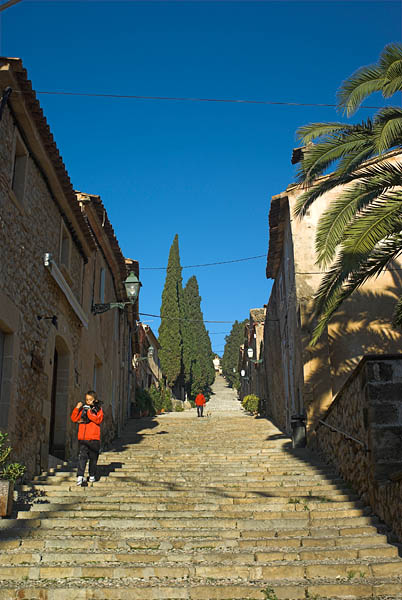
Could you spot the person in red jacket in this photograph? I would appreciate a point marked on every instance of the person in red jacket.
(89, 416)
(200, 403)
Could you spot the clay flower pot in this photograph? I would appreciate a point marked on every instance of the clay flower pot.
(6, 497)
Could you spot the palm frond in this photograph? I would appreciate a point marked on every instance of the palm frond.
(318, 158)
(381, 218)
(397, 316)
(306, 199)
(352, 161)
(314, 131)
(364, 82)
(334, 279)
(390, 54)
(388, 128)
(392, 87)
(379, 176)
(374, 265)
(334, 221)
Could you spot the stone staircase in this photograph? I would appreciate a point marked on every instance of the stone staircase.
(203, 509)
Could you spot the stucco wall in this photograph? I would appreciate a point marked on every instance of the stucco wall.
(298, 375)
(369, 409)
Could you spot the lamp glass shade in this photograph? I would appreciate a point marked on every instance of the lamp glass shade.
(242, 372)
(250, 352)
(132, 285)
(151, 351)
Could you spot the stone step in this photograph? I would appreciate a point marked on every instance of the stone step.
(202, 591)
(22, 529)
(285, 544)
(181, 487)
(155, 504)
(283, 521)
(216, 509)
(308, 556)
(293, 512)
(269, 572)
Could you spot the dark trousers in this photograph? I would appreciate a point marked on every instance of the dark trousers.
(88, 450)
(200, 410)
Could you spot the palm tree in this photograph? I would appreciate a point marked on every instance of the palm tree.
(361, 232)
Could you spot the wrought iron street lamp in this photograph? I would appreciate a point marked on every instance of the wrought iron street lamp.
(138, 359)
(132, 285)
(250, 354)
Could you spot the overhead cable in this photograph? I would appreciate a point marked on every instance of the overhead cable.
(223, 262)
(180, 319)
(189, 99)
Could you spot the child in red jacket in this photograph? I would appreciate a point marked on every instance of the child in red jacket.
(200, 403)
(89, 416)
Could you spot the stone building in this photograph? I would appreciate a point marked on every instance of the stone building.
(251, 361)
(147, 365)
(300, 378)
(107, 344)
(57, 257)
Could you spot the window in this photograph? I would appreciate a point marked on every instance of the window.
(19, 168)
(65, 247)
(102, 286)
(2, 340)
(4, 400)
(97, 376)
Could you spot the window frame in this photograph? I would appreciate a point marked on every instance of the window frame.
(19, 167)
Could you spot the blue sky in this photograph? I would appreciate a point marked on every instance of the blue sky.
(203, 170)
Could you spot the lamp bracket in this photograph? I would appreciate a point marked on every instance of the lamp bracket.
(98, 309)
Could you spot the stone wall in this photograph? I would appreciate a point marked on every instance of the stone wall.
(368, 408)
(29, 229)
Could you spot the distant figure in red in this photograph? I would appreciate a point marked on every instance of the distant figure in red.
(200, 403)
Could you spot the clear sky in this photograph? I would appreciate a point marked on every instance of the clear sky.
(203, 170)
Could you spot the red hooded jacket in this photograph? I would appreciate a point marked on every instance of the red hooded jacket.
(88, 431)
(200, 400)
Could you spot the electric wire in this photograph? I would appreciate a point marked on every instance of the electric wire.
(181, 319)
(188, 99)
(222, 262)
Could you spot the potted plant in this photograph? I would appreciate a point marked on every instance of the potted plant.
(9, 473)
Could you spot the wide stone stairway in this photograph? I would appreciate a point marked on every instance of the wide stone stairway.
(208, 508)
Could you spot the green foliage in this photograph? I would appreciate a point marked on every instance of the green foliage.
(360, 234)
(199, 372)
(8, 470)
(251, 403)
(144, 402)
(153, 400)
(167, 405)
(170, 337)
(186, 353)
(230, 356)
(269, 593)
(179, 408)
(157, 397)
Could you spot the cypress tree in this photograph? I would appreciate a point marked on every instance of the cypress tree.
(170, 337)
(230, 356)
(197, 351)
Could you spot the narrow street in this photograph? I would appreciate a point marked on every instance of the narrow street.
(208, 508)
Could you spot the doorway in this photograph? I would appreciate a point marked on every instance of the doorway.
(59, 400)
